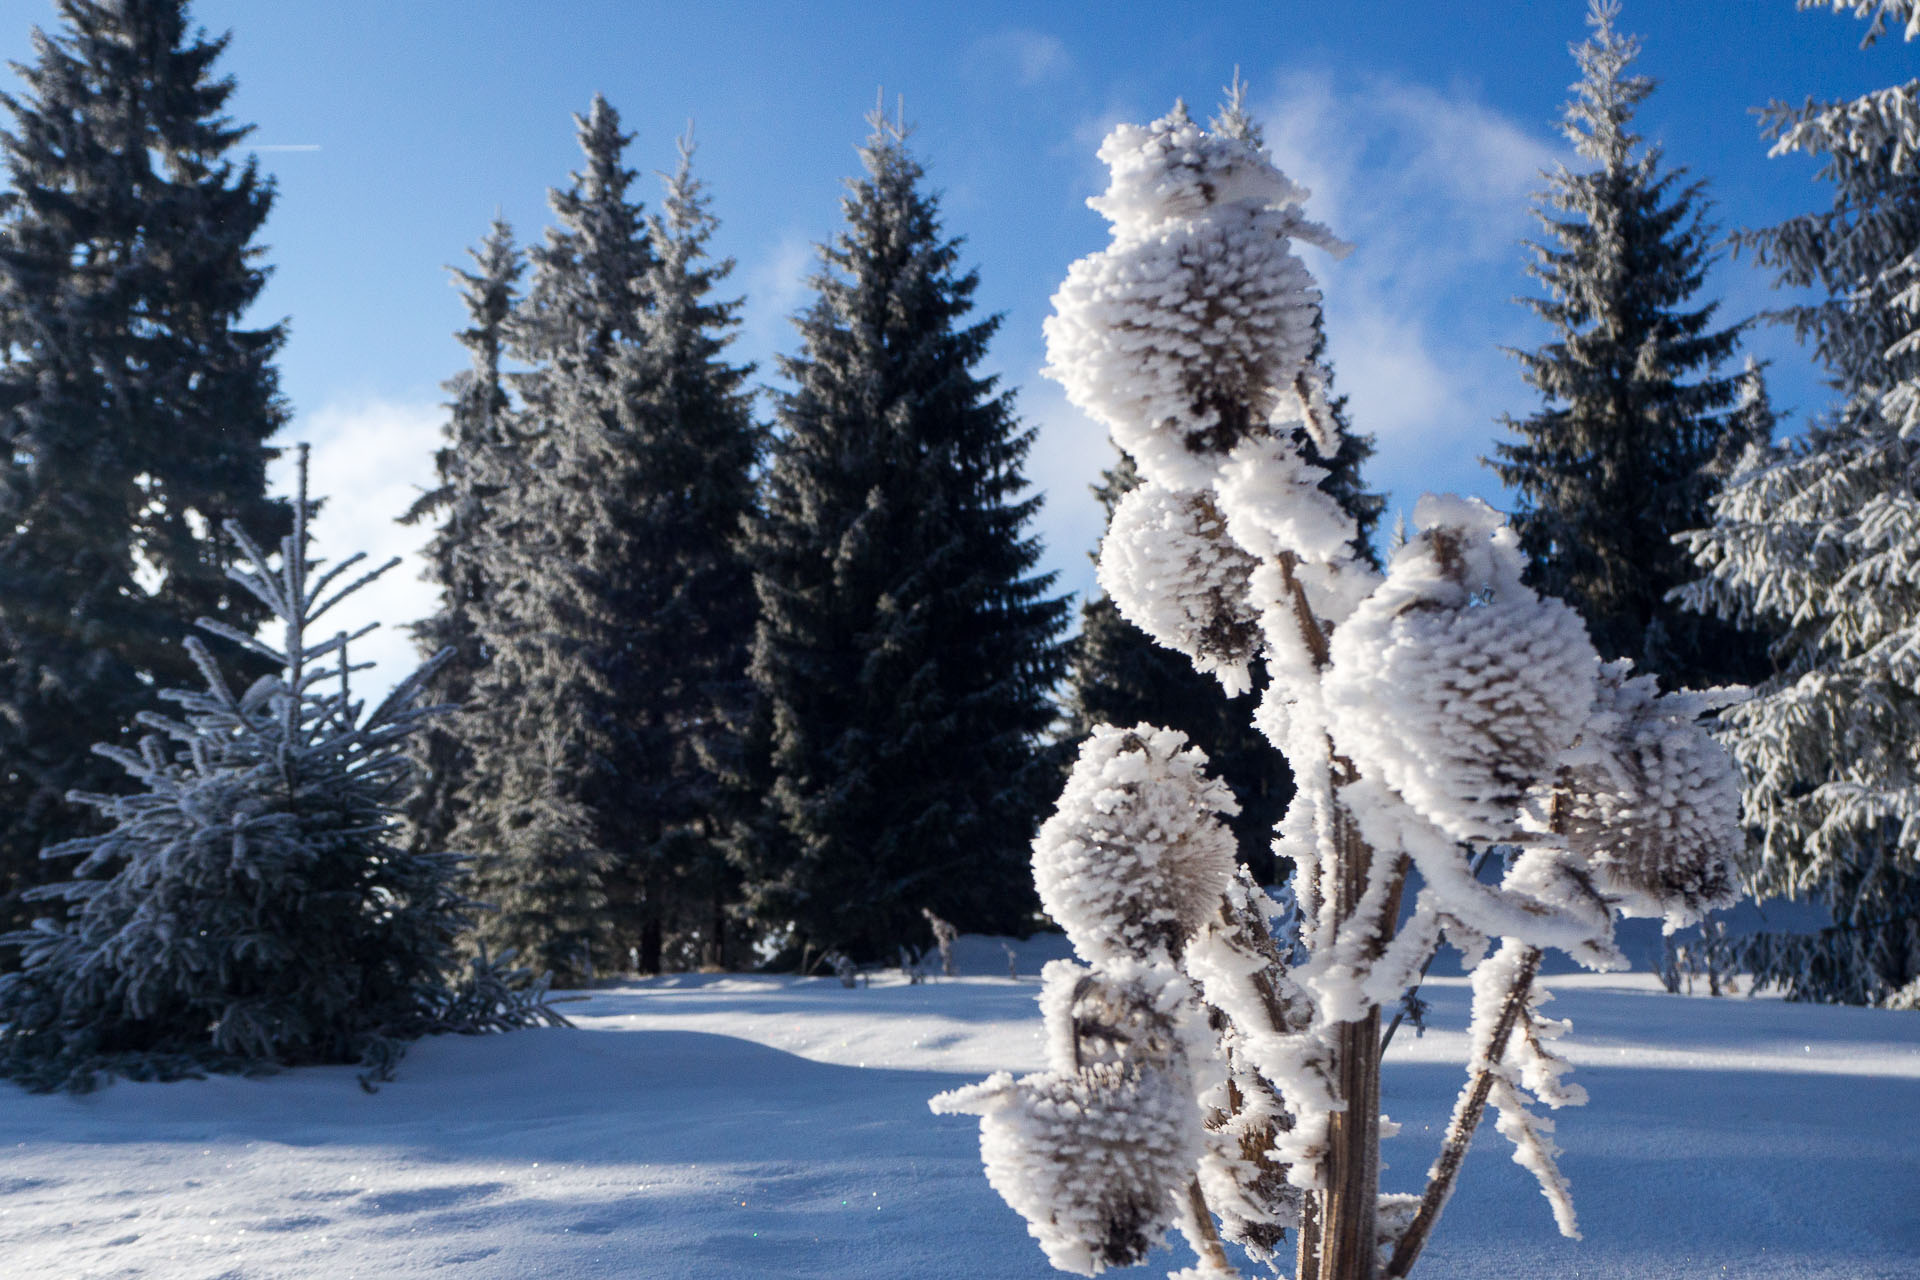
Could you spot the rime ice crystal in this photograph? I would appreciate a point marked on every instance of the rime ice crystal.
(1655, 815)
(1454, 683)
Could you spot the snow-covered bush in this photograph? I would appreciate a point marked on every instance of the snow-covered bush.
(1201, 1074)
(252, 907)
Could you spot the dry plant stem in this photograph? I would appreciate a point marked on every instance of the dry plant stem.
(1466, 1118)
(1473, 869)
(1307, 1258)
(1343, 1244)
(1208, 1244)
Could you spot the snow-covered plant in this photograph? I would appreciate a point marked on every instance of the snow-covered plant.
(253, 905)
(1201, 1074)
(1173, 572)
(944, 936)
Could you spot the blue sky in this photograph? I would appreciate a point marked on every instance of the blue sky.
(397, 130)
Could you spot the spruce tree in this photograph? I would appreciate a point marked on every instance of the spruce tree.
(618, 606)
(686, 610)
(1817, 540)
(906, 649)
(473, 467)
(134, 407)
(543, 723)
(251, 907)
(1619, 460)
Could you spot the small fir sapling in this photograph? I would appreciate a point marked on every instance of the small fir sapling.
(1201, 1074)
(911, 966)
(254, 905)
(843, 968)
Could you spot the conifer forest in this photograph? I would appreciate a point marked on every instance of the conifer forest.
(1261, 643)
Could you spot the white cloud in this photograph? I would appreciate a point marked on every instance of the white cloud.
(370, 460)
(775, 285)
(1034, 56)
(1434, 190)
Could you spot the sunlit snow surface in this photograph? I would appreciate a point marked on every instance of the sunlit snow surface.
(765, 1127)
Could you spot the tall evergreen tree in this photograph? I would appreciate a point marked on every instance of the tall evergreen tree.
(686, 614)
(618, 605)
(134, 407)
(906, 648)
(1620, 458)
(1818, 540)
(542, 725)
(473, 467)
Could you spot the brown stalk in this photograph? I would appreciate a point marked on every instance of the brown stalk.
(1467, 1113)
(1307, 1258)
(1208, 1244)
(1338, 1231)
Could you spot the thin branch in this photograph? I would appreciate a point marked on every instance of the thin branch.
(1206, 1241)
(1466, 1118)
(1303, 615)
(1473, 869)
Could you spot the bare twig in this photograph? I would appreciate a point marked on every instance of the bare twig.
(1206, 1240)
(1466, 1118)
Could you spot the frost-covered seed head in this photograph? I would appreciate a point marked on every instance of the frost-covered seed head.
(1126, 1013)
(1135, 858)
(1172, 571)
(1653, 811)
(1087, 1157)
(1192, 330)
(1454, 683)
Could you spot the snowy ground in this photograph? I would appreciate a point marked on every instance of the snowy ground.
(720, 1127)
